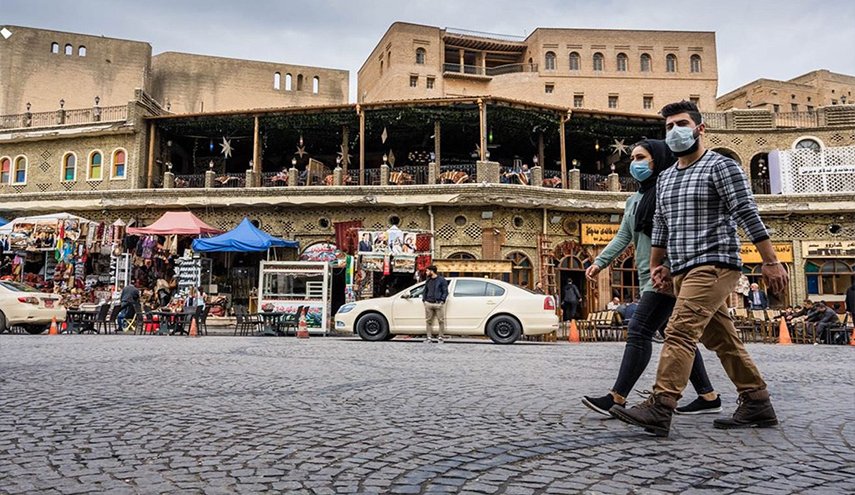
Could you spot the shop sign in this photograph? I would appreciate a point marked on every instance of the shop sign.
(749, 254)
(325, 252)
(828, 249)
(189, 273)
(474, 266)
(390, 241)
(599, 234)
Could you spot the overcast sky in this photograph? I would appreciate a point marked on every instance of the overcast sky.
(773, 39)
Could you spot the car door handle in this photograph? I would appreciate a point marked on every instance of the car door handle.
(492, 303)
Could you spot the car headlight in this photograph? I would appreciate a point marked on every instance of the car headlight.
(347, 308)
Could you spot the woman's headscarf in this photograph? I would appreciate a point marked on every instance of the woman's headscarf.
(662, 159)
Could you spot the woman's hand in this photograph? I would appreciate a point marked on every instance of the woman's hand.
(592, 271)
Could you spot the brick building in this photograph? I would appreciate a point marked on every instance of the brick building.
(602, 69)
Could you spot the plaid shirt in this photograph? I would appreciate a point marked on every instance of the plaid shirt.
(695, 212)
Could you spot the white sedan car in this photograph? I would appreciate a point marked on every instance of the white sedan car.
(475, 306)
(24, 306)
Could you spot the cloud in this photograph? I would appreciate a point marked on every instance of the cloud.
(777, 40)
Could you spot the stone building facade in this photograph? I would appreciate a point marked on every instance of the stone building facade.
(620, 70)
(804, 93)
(77, 68)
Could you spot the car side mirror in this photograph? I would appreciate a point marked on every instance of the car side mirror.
(406, 296)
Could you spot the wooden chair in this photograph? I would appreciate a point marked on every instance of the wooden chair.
(453, 177)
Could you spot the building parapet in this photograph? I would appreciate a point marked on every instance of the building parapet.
(757, 119)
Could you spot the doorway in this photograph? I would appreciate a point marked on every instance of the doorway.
(573, 268)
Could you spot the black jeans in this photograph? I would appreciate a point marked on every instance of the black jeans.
(651, 315)
(570, 310)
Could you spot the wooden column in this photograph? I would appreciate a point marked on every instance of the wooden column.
(540, 155)
(462, 59)
(482, 117)
(345, 148)
(152, 136)
(256, 151)
(361, 146)
(563, 140)
(437, 141)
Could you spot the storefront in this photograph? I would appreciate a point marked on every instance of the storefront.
(752, 264)
(390, 260)
(829, 270)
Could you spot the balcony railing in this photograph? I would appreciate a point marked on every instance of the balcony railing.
(628, 184)
(481, 34)
(470, 70)
(192, 181)
(796, 119)
(594, 182)
(760, 186)
(64, 117)
(511, 69)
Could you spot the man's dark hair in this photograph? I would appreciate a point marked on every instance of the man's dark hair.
(432, 268)
(682, 107)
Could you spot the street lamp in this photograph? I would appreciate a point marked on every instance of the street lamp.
(28, 106)
(97, 100)
(62, 103)
(534, 160)
(211, 165)
(294, 162)
(574, 163)
(385, 158)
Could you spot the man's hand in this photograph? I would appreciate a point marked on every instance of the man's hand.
(661, 276)
(775, 277)
(592, 272)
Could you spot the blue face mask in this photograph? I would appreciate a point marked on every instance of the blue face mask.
(640, 170)
(680, 139)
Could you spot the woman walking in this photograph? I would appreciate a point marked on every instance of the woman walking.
(649, 158)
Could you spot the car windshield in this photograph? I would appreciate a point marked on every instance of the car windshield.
(17, 286)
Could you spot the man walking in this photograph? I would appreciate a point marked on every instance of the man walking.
(434, 296)
(699, 203)
(570, 301)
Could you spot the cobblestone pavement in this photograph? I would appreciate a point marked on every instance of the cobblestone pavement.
(122, 414)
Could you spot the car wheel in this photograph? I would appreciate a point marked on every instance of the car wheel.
(35, 329)
(372, 327)
(390, 336)
(3, 327)
(503, 330)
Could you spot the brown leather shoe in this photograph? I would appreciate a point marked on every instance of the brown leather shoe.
(654, 414)
(754, 410)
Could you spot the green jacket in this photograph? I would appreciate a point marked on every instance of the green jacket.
(626, 235)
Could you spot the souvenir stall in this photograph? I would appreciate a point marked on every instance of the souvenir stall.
(61, 253)
(299, 288)
(156, 252)
(245, 238)
(390, 260)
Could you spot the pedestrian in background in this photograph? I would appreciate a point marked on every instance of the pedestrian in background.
(434, 297)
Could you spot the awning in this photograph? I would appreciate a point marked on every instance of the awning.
(245, 237)
(176, 222)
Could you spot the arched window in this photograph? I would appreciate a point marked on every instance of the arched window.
(420, 56)
(299, 82)
(645, 62)
(522, 272)
(5, 170)
(625, 282)
(829, 277)
(287, 82)
(621, 62)
(671, 63)
(574, 61)
(598, 62)
(119, 158)
(69, 167)
(54, 47)
(277, 80)
(316, 84)
(381, 67)
(69, 50)
(549, 61)
(462, 255)
(19, 175)
(696, 63)
(81, 51)
(94, 169)
(389, 59)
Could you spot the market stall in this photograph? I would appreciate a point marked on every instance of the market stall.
(297, 288)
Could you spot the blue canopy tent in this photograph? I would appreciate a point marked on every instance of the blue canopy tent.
(246, 237)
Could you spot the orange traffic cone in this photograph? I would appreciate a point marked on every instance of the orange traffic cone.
(784, 334)
(194, 331)
(54, 330)
(302, 327)
(573, 336)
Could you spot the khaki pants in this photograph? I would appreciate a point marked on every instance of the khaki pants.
(435, 311)
(701, 314)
